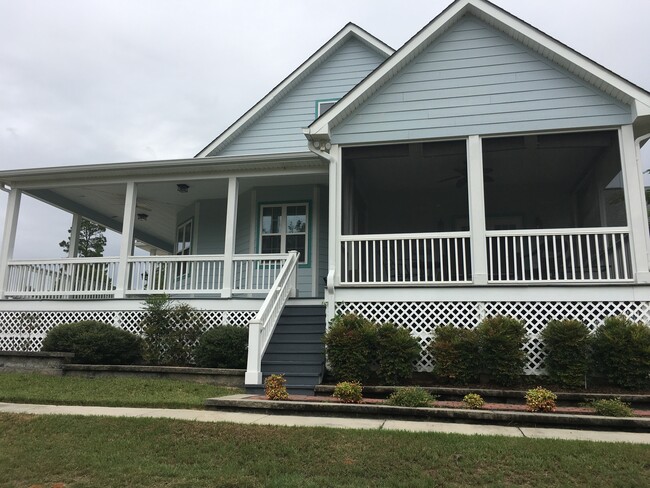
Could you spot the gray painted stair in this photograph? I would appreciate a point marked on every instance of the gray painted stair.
(296, 349)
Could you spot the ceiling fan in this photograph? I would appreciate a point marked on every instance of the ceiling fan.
(461, 177)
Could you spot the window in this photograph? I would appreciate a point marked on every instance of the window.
(184, 238)
(283, 228)
(323, 106)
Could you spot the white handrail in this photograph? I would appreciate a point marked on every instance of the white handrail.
(262, 326)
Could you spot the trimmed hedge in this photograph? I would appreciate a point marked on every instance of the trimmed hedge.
(621, 352)
(358, 350)
(500, 342)
(397, 351)
(223, 347)
(94, 342)
(567, 347)
(455, 352)
(350, 343)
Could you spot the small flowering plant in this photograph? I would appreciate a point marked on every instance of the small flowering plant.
(473, 401)
(540, 400)
(275, 387)
(348, 391)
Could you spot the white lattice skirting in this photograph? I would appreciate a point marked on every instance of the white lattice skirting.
(24, 331)
(421, 318)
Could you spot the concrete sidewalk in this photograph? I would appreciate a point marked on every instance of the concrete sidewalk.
(332, 422)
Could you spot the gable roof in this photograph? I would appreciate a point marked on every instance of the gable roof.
(346, 33)
(581, 66)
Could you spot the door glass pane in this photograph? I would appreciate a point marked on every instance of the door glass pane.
(296, 219)
(271, 220)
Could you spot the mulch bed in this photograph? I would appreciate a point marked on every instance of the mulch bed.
(506, 407)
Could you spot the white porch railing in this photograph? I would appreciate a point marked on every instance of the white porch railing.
(195, 274)
(385, 259)
(79, 278)
(559, 255)
(255, 273)
(262, 326)
(62, 278)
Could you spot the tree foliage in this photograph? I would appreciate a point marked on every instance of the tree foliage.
(91, 241)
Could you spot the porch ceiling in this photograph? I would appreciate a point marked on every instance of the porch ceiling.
(160, 201)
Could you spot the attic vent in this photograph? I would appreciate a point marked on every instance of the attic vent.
(323, 106)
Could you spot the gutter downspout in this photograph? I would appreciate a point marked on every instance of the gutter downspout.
(321, 149)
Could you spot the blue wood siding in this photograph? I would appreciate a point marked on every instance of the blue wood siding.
(212, 226)
(279, 130)
(477, 80)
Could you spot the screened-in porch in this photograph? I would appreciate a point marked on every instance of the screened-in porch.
(543, 208)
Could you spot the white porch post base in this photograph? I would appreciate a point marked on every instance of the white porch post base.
(642, 277)
(253, 378)
(480, 279)
(253, 374)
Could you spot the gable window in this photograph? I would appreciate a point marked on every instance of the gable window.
(323, 106)
(283, 228)
(184, 238)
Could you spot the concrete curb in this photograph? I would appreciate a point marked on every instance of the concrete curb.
(628, 424)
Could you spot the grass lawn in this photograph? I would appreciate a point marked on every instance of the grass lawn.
(135, 452)
(110, 392)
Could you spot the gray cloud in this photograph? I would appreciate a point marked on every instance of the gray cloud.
(86, 81)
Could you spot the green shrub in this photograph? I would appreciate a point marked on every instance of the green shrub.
(500, 342)
(348, 391)
(275, 387)
(397, 350)
(567, 346)
(223, 347)
(621, 352)
(94, 342)
(170, 331)
(455, 352)
(351, 344)
(540, 400)
(611, 408)
(473, 401)
(411, 396)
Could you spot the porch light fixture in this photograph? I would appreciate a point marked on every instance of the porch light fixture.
(143, 216)
(182, 188)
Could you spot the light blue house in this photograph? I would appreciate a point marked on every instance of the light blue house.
(482, 168)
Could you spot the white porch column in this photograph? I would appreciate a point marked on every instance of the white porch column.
(75, 228)
(9, 237)
(476, 196)
(635, 203)
(231, 233)
(126, 246)
(333, 230)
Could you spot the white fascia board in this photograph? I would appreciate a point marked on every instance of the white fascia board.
(160, 170)
(289, 82)
(493, 15)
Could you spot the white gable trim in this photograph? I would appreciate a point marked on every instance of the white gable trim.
(349, 31)
(550, 48)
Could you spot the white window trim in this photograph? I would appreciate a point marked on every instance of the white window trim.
(283, 231)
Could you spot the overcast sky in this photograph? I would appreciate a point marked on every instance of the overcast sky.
(91, 81)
